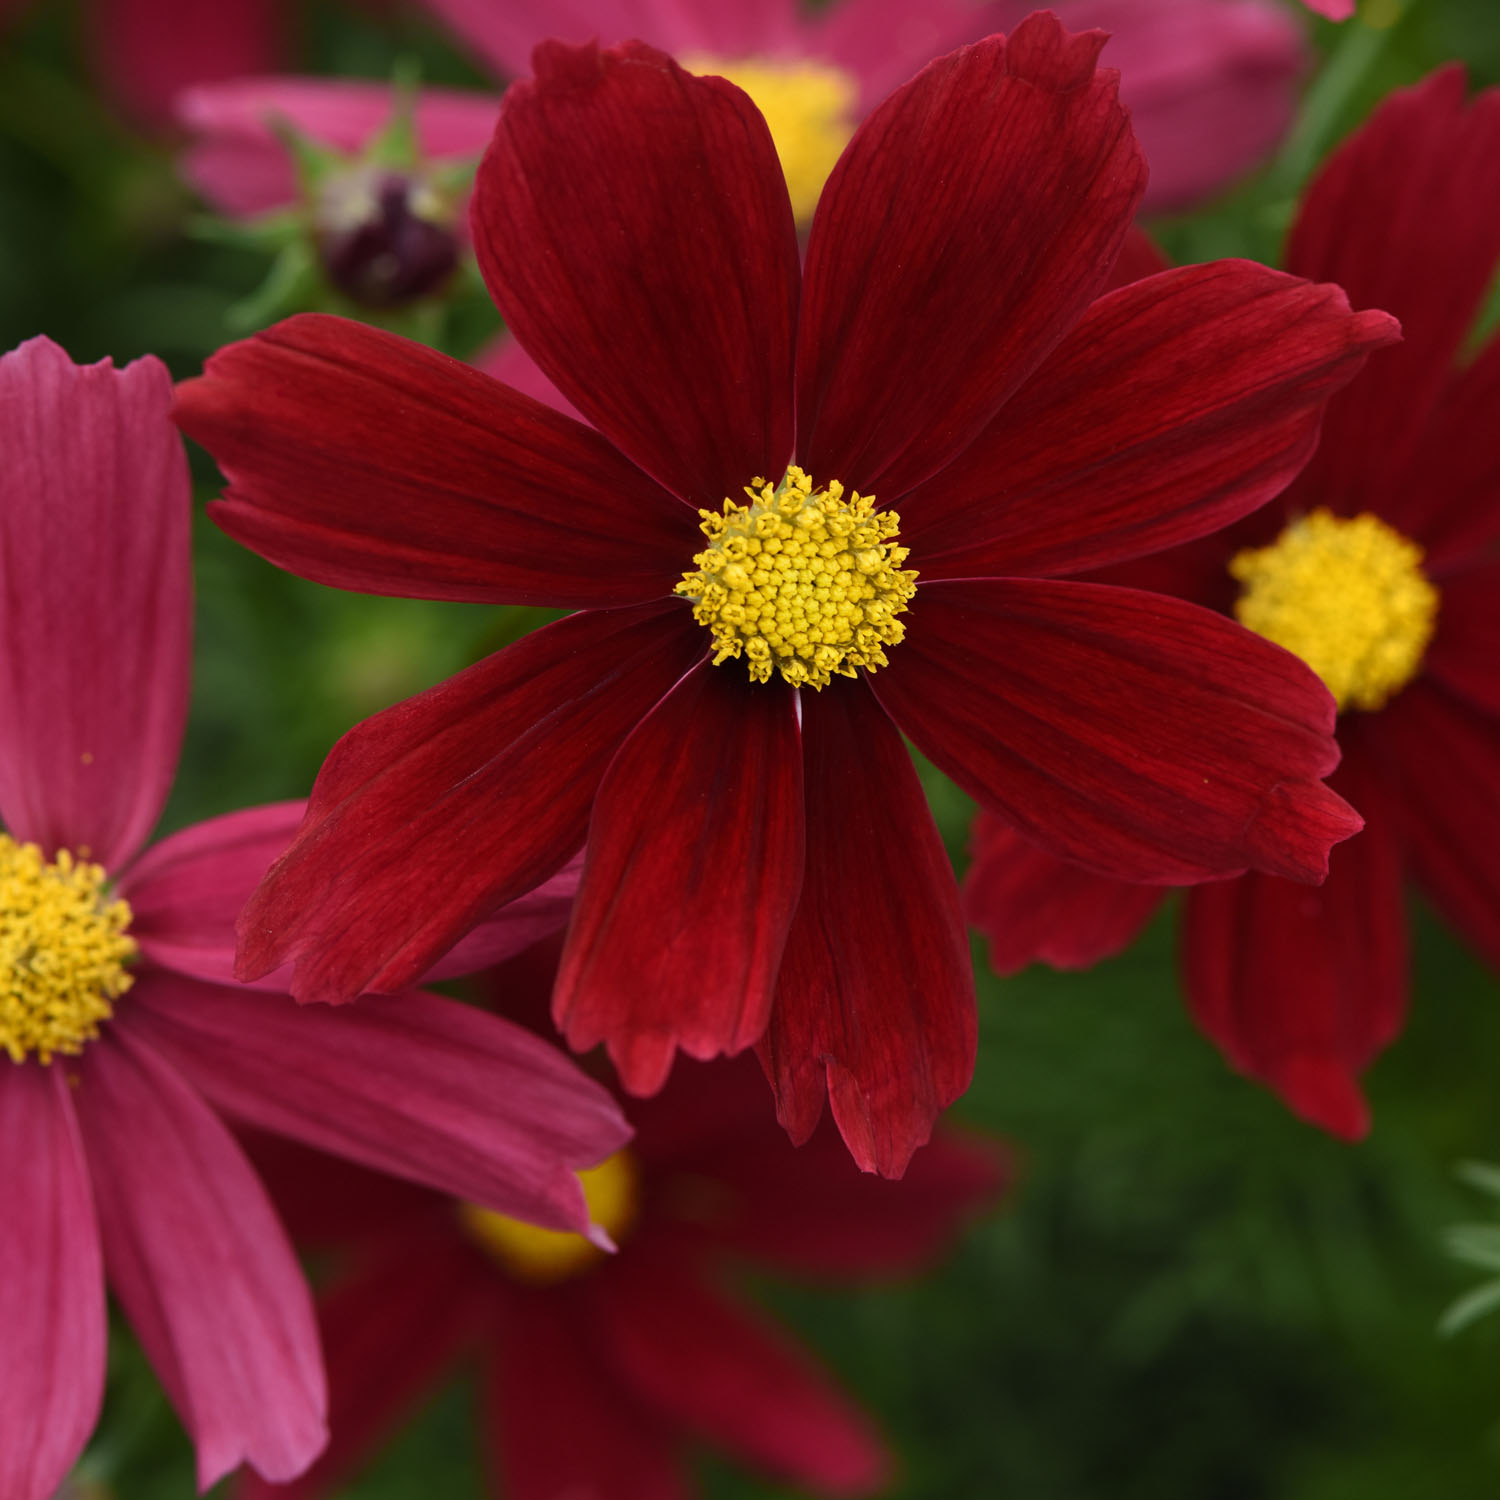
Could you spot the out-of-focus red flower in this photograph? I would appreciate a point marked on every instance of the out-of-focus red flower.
(599, 1370)
(1302, 988)
(762, 866)
(123, 1038)
(1211, 84)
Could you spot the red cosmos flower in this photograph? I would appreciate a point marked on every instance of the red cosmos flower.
(1379, 566)
(598, 1371)
(112, 1151)
(750, 843)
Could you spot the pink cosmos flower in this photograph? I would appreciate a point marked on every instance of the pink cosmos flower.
(1335, 10)
(1211, 83)
(126, 1042)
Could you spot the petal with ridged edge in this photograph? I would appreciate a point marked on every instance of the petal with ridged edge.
(875, 1005)
(200, 1263)
(693, 869)
(1175, 406)
(1012, 154)
(51, 1284)
(96, 611)
(429, 817)
(1143, 737)
(633, 226)
(365, 461)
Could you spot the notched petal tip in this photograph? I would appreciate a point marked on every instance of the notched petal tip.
(1044, 52)
(1296, 827)
(562, 66)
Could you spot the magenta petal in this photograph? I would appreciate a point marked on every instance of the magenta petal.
(365, 461)
(201, 1264)
(875, 1005)
(633, 226)
(51, 1285)
(972, 219)
(96, 614)
(1138, 735)
(432, 815)
(694, 864)
(414, 1085)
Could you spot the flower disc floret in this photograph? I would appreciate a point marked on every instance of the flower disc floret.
(63, 950)
(1347, 595)
(802, 581)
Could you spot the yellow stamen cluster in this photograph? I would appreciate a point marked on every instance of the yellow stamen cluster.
(546, 1256)
(809, 108)
(801, 581)
(1346, 595)
(63, 949)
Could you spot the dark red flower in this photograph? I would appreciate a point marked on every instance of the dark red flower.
(749, 843)
(599, 1370)
(1302, 988)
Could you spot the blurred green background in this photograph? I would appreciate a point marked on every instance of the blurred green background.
(1190, 1296)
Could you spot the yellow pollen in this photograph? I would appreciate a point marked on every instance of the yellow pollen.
(63, 949)
(801, 581)
(809, 108)
(546, 1256)
(1347, 596)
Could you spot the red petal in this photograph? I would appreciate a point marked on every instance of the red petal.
(1175, 406)
(51, 1285)
(428, 817)
(633, 226)
(693, 869)
(1395, 219)
(1442, 760)
(1302, 987)
(97, 610)
(508, 362)
(876, 999)
(1139, 258)
(560, 1424)
(711, 1367)
(414, 1085)
(1002, 155)
(362, 460)
(389, 1334)
(200, 1264)
(1465, 652)
(1036, 908)
(1140, 736)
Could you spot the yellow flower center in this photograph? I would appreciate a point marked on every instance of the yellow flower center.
(1347, 596)
(63, 949)
(545, 1256)
(806, 582)
(809, 108)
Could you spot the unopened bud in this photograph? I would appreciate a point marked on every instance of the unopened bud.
(385, 237)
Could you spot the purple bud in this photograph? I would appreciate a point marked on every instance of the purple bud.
(385, 238)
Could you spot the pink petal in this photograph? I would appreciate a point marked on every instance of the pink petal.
(1335, 10)
(200, 1263)
(51, 1284)
(506, 361)
(414, 1085)
(96, 614)
(875, 1004)
(694, 865)
(633, 226)
(1014, 154)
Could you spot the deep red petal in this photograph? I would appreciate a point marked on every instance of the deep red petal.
(415, 1085)
(51, 1285)
(362, 460)
(1395, 219)
(559, 1423)
(1036, 908)
(96, 600)
(693, 869)
(1465, 651)
(389, 1333)
(875, 1005)
(633, 227)
(1142, 737)
(723, 1373)
(202, 1267)
(431, 815)
(972, 218)
(1139, 258)
(1174, 407)
(1302, 987)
